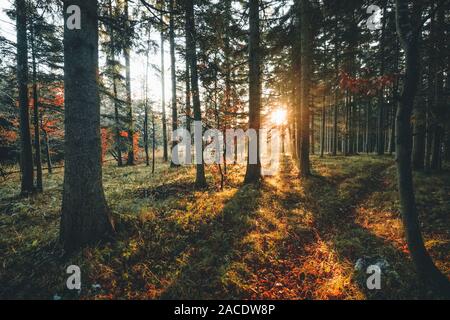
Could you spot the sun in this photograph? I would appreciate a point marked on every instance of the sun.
(278, 117)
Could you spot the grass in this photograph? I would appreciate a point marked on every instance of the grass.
(283, 239)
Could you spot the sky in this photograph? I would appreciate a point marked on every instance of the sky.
(8, 30)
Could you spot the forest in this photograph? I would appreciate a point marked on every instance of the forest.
(225, 149)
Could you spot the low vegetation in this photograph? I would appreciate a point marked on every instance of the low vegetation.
(283, 239)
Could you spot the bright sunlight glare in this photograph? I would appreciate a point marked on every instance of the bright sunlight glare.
(278, 117)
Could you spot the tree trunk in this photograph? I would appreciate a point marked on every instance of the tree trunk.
(130, 160)
(410, 42)
(322, 131)
(115, 95)
(47, 147)
(227, 65)
(147, 62)
(153, 141)
(26, 154)
(47, 152)
(253, 173)
(336, 72)
(380, 126)
(85, 215)
(163, 94)
(200, 179)
(306, 54)
(37, 135)
(173, 74)
(419, 137)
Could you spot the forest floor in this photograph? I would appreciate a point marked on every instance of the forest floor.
(286, 238)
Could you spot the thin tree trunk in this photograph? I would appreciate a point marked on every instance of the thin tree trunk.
(163, 94)
(173, 75)
(47, 146)
(153, 141)
(37, 135)
(188, 98)
(322, 131)
(380, 128)
(227, 63)
(47, 151)
(26, 154)
(147, 53)
(130, 160)
(85, 215)
(115, 97)
(200, 179)
(395, 96)
(336, 71)
(368, 127)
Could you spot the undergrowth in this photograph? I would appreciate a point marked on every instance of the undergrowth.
(286, 238)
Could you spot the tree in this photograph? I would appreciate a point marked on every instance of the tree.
(146, 109)
(173, 72)
(306, 55)
(381, 107)
(128, 30)
(114, 65)
(253, 173)
(26, 155)
(191, 55)
(85, 215)
(36, 122)
(409, 31)
(163, 89)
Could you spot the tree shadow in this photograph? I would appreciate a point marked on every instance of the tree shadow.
(335, 222)
(214, 249)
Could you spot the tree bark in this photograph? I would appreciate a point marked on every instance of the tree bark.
(115, 95)
(37, 134)
(173, 74)
(409, 34)
(26, 154)
(163, 94)
(253, 173)
(130, 160)
(380, 125)
(147, 62)
(200, 179)
(85, 215)
(336, 72)
(306, 54)
(322, 129)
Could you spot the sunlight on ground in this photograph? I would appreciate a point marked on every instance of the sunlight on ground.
(285, 238)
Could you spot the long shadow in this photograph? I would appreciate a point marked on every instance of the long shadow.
(214, 248)
(335, 222)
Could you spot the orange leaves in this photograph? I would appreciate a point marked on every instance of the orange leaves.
(123, 134)
(52, 95)
(8, 136)
(107, 140)
(136, 148)
(365, 86)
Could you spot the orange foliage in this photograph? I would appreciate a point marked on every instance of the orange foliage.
(107, 139)
(136, 148)
(8, 136)
(365, 86)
